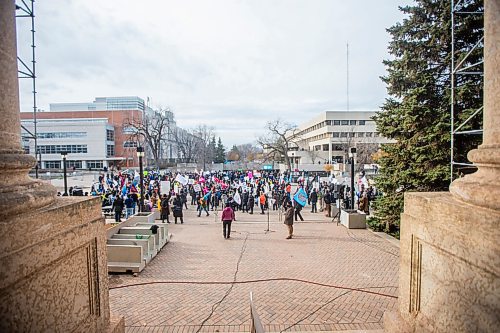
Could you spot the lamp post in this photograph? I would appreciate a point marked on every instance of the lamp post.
(352, 157)
(140, 154)
(63, 155)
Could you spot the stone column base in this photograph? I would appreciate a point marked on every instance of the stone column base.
(54, 274)
(450, 267)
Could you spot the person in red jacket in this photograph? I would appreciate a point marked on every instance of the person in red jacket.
(227, 217)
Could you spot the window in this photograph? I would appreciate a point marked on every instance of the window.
(110, 150)
(57, 149)
(317, 148)
(343, 134)
(336, 122)
(376, 134)
(26, 149)
(345, 122)
(361, 134)
(130, 144)
(61, 135)
(53, 164)
(369, 134)
(110, 135)
(94, 164)
(337, 147)
(336, 134)
(351, 134)
(361, 122)
(352, 122)
(74, 164)
(325, 147)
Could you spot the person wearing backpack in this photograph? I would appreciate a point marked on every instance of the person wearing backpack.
(227, 218)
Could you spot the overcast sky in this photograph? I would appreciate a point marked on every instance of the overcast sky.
(232, 64)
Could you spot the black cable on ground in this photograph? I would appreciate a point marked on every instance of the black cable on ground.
(362, 289)
(216, 305)
(319, 308)
(370, 245)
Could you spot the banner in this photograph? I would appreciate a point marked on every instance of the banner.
(301, 197)
(165, 186)
(197, 187)
(237, 198)
(181, 179)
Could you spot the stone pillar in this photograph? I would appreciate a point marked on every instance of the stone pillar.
(18, 190)
(450, 268)
(482, 188)
(53, 259)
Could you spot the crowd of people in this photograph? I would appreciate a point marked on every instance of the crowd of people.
(229, 192)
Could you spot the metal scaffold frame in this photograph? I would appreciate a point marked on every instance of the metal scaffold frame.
(457, 69)
(26, 9)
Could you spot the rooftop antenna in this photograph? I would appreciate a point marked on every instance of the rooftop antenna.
(347, 83)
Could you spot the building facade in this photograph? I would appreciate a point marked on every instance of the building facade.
(327, 138)
(120, 142)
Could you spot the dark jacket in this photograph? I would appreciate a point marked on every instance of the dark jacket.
(177, 207)
(118, 204)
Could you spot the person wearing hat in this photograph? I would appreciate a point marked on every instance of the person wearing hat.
(289, 212)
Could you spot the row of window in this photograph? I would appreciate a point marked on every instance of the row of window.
(334, 123)
(57, 149)
(130, 144)
(61, 135)
(341, 135)
(73, 164)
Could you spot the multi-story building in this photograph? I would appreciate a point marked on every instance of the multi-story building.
(88, 142)
(105, 130)
(117, 147)
(326, 138)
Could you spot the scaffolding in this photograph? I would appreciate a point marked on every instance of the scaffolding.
(461, 66)
(26, 10)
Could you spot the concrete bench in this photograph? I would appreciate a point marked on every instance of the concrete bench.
(162, 230)
(142, 217)
(144, 243)
(145, 230)
(125, 258)
(151, 241)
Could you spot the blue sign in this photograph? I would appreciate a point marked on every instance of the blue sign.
(301, 197)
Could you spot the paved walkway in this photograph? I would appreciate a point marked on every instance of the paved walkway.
(321, 252)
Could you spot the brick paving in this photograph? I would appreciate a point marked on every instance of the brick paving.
(320, 252)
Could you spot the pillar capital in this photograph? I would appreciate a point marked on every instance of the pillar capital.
(18, 192)
(482, 188)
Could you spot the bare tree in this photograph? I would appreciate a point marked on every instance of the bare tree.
(277, 140)
(205, 134)
(188, 144)
(313, 155)
(249, 151)
(152, 129)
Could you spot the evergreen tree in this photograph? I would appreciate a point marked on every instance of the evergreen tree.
(212, 147)
(220, 152)
(417, 113)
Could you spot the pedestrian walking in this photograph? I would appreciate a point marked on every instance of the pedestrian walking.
(177, 209)
(165, 208)
(289, 211)
(314, 201)
(227, 218)
(298, 208)
(118, 205)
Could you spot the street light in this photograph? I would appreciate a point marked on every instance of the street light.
(63, 155)
(140, 154)
(352, 157)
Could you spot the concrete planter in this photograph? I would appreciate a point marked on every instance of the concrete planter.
(352, 219)
(148, 217)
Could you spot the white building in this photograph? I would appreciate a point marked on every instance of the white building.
(89, 142)
(326, 138)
